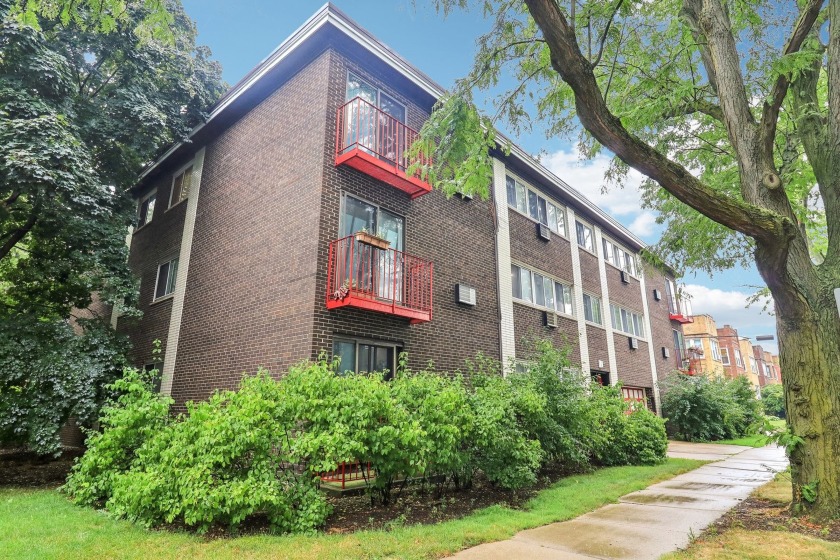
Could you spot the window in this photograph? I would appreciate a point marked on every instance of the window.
(627, 321)
(715, 349)
(145, 209)
(738, 360)
(181, 186)
(356, 356)
(167, 272)
(724, 356)
(541, 290)
(679, 346)
(535, 206)
(753, 365)
(585, 236)
(592, 309)
(618, 257)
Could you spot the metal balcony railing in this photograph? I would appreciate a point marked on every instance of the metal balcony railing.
(374, 142)
(379, 279)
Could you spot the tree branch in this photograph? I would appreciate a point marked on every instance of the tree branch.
(17, 234)
(770, 111)
(595, 116)
(692, 106)
(604, 34)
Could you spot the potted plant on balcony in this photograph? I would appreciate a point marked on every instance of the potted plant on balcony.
(368, 238)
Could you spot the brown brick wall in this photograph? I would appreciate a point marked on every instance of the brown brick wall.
(661, 326)
(248, 302)
(156, 242)
(597, 338)
(591, 278)
(552, 257)
(728, 339)
(528, 324)
(457, 235)
(627, 295)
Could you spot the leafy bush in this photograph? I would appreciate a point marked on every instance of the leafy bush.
(127, 423)
(226, 459)
(644, 440)
(703, 409)
(773, 400)
(50, 374)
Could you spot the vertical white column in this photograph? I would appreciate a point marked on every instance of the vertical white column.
(116, 310)
(507, 334)
(605, 311)
(651, 350)
(181, 278)
(577, 278)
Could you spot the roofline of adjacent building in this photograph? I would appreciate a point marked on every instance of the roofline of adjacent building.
(330, 14)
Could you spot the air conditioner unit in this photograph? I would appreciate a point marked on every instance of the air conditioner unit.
(625, 278)
(657, 295)
(465, 294)
(634, 343)
(543, 232)
(464, 195)
(550, 319)
(666, 352)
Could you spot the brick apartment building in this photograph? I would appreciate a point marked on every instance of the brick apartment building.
(251, 242)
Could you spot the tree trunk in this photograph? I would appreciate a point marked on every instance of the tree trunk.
(809, 354)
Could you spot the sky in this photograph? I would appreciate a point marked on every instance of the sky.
(243, 33)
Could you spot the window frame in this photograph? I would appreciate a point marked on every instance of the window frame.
(151, 194)
(739, 359)
(396, 348)
(178, 173)
(609, 256)
(591, 228)
(631, 321)
(715, 346)
(166, 295)
(533, 287)
(379, 92)
(379, 208)
(753, 364)
(559, 209)
(724, 352)
(600, 309)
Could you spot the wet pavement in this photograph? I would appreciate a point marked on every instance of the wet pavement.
(649, 523)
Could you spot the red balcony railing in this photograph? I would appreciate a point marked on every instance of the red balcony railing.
(384, 280)
(375, 143)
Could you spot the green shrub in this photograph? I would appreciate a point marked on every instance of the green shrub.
(228, 458)
(702, 409)
(126, 424)
(644, 440)
(773, 400)
(499, 444)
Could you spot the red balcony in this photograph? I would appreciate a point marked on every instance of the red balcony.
(374, 142)
(379, 279)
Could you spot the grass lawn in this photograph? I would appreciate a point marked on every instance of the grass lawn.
(755, 440)
(42, 524)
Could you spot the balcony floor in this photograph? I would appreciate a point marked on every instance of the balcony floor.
(414, 315)
(383, 170)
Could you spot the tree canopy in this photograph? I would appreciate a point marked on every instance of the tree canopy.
(732, 111)
(90, 92)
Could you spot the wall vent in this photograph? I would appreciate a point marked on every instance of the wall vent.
(543, 232)
(625, 278)
(465, 294)
(657, 295)
(666, 353)
(550, 319)
(634, 343)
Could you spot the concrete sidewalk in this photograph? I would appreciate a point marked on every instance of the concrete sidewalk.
(647, 524)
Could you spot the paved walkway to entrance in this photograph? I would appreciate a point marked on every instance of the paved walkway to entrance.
(646, 524)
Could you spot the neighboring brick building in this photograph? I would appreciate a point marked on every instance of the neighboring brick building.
(730, 352)
(701, 339)
(251, 244)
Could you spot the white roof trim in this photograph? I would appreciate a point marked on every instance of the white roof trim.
(329, 14)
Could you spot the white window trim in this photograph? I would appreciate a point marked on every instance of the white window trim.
(725, 352)
(378, 89)
(534, 305)
(619, 330)
(594, 241)
(635, 257)
(140, 202)
(600, 304)
(548, 200)
(175, 175)
(171, 294)
(713, 343)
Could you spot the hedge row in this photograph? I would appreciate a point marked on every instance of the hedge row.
(258, 450)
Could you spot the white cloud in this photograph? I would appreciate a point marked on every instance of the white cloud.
(587, 176)
(643, 225)
(729, 307)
